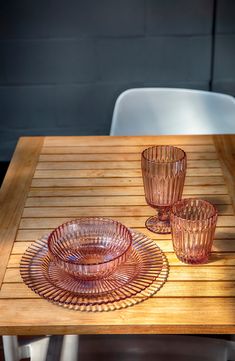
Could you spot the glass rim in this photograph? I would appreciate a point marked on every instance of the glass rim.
(214, 210)
(57, 256)
(168, 161)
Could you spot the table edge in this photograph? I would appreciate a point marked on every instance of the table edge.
(16, 184)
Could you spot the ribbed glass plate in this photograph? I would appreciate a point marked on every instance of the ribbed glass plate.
(140, 277)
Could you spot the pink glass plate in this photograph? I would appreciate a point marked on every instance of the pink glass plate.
(140, 277)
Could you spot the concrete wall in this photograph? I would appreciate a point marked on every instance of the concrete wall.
(224, 56)
(63, 63)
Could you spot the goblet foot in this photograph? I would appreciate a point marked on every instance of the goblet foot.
(154, 224)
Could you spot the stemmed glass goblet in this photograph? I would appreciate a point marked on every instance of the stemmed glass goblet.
(163, 170)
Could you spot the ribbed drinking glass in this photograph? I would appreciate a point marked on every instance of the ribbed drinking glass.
(193, 223)
(163, 170)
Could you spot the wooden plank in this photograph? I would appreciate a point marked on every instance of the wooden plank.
(216, 259)
(220, 233)
(121, 149)
(21, 246)
(170, 289)
(106, 157)
(225, 245)
(32, 223)
(106, 192)
(14, 192)
(155, 315)
(102, 211)
(177, 273)
(73, 201)
(116, 182)
(117, 165)
(119, 173)
(224, 233)
(32, 234)
(114, 141)
(197, 289)
(225, 146)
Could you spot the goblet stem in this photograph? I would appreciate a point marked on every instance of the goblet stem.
(160, 223)
(164, 213)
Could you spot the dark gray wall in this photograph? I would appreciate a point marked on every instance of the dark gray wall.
(63, 63)
(224, 57)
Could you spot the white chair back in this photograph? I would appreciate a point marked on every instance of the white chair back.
(156, 111)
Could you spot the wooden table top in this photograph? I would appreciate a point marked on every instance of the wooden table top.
(53, 179)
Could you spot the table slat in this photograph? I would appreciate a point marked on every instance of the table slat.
(198, 148)
(177, 273)
(94, 141)
(14, 192)
(115, 182)
(101, 157)
(187, 315)
(132, 221)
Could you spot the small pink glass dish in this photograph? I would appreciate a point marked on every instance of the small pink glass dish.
(193, 223)
(90, 248)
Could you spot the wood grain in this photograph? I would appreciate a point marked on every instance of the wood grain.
(118, 173)
(132, 221)
(113, 141)
(216, 259)
(56, 199)
(198, 148)
(116, 182)
(116, 165)
(187, 315)
(106, 157)
(84, 176)
(102, 211)
(224, 245)
(171, 289)
(91, 191)
(14, 192)
(225, 146)
(32, 234)
(177, 273)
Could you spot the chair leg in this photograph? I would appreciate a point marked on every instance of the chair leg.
(70, 346)
(11, 348)
(231, 350)
(35, 349)
(38, 349)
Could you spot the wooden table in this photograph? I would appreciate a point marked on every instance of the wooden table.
(53, 179)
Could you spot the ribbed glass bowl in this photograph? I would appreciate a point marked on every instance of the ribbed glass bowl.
(90, 248)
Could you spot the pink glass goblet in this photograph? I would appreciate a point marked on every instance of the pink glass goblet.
(193, 223)
(163, 170)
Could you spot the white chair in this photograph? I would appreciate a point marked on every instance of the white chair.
(41, 348)
(149, 111)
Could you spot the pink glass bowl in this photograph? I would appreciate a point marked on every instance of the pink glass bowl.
(193, 223)
(90, 248)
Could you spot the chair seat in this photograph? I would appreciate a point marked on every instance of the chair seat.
(155, 347)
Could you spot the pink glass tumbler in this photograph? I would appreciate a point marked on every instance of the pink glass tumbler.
(163, 170)
(193, 223)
